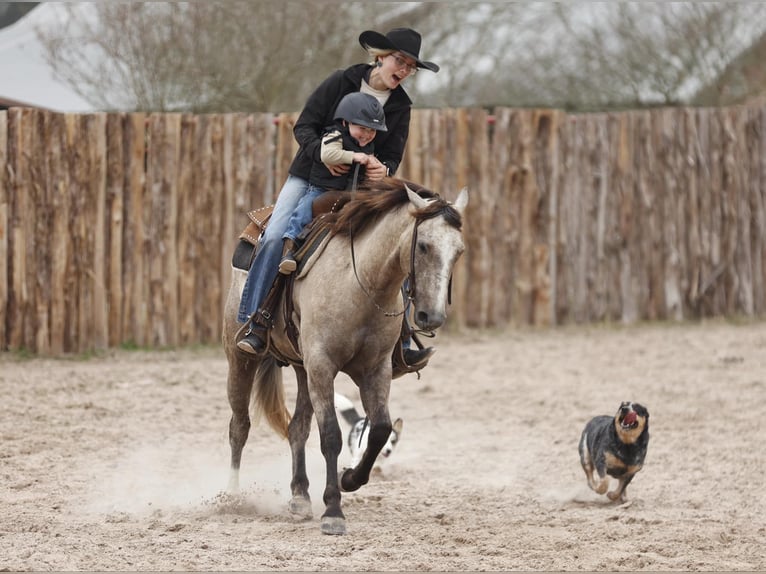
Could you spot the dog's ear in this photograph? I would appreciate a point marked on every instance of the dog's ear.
(397, 426)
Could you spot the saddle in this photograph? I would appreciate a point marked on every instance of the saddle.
(310, 240)
(328, 202)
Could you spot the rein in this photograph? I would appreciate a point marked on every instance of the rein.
(370, 297)
(359, 281)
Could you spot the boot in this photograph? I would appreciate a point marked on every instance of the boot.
(409, 360)
(416, 359)
(254, 342)
(288, 264)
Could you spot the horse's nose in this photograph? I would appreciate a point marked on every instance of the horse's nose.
(429, 320)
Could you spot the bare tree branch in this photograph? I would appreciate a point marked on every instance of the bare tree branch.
(268, 55)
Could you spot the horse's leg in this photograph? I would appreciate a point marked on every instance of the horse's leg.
(239, 387)
(375, 400)
(331, 443)
(298, 431)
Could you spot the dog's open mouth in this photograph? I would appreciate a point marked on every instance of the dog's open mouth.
(630, 420)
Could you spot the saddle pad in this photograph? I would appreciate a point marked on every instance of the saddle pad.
(311, 250)
(243, 255)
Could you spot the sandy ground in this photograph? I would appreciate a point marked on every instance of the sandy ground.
(118, 462)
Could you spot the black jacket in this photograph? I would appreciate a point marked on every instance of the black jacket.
(321, 176)
(320, 109)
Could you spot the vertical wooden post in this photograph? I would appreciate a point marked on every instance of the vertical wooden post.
(18, 188)
(115, 228)
(226, 225)
(756, 151)
(262, 182)
(60, 253)
(162, 180)
(136, 206)
(188, 220)
(96, 134)
(459, 136)
(4, 208)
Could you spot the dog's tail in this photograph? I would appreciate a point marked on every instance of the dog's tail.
(346, 408)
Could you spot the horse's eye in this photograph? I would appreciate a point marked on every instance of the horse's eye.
(422, 247)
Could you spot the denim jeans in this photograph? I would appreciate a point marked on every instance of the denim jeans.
(302, 214)
(265, 266)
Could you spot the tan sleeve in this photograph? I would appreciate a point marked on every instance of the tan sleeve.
(332, 152)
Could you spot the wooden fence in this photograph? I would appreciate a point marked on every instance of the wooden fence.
(119, 228)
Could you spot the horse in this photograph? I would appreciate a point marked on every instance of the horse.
(348, 309)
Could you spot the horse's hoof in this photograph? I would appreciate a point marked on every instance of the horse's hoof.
(334, 525)
(300, 508)
(345, 483)
(340, 480)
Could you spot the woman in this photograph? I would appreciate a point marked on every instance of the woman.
(395, 58)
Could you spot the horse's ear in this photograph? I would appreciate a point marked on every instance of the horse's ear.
(418, 201)
(462, 200)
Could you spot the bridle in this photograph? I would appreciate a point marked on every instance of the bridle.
(410, 292)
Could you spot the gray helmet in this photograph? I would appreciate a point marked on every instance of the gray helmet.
(362, 109)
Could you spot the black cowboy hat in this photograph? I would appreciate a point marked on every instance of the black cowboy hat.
(404, 40)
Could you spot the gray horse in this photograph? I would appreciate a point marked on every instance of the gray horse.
(347, 307)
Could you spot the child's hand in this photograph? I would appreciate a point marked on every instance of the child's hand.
(361, 158)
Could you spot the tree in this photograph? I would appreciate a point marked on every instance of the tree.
(743, 79)
(216, 56)
(627, 54)
(268, 55)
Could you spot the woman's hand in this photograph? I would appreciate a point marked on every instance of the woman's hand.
(375, 169)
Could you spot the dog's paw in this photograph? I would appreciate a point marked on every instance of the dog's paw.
(602, 486)
(616, 497)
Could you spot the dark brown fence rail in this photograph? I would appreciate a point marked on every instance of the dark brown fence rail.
(119, 228)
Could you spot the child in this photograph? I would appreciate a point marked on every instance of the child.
(349, 141)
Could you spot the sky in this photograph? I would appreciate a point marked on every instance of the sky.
(24, 74)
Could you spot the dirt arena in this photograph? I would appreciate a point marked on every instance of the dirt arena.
(118, 462)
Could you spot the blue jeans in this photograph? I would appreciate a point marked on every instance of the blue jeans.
(265, 266)
(302, 214)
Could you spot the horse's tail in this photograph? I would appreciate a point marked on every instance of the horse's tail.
(268, 397)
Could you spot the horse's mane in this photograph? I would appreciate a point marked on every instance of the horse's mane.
(374, 199)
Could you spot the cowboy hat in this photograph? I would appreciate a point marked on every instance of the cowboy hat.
(404, 40)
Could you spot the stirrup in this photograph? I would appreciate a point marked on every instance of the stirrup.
(255, 341)
(416, 359)
(288, 264)
(400, 366)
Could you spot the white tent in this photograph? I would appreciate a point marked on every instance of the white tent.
(25, 76)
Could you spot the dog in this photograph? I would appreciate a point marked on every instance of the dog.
(360, 429)
(615, 446)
